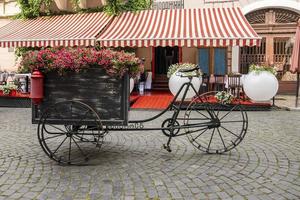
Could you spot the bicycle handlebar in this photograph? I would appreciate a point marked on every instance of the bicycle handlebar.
(189, 70)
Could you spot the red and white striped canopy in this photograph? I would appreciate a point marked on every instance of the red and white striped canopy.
(180, 27)
(61, 30)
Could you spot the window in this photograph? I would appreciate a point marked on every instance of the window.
(213, 60)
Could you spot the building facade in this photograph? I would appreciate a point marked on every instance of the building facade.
(273, 20)
(8, 9)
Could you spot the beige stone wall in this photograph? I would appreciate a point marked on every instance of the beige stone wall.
(147, 54)
(246, 5)
(91, 3)
(7, 56)
(8, 8)
(189, 55)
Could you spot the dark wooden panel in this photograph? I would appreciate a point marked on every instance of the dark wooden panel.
(107, 95)
(287, 87)
(15, 102)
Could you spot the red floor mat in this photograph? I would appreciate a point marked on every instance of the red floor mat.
(153, 102)
(161, 100)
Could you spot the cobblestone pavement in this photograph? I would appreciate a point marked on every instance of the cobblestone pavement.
(266, 165)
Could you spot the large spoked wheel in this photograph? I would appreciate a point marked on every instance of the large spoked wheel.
(213, 127)
(70, 131)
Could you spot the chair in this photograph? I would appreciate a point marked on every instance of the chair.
(234, 85)
(219, 82)
(205, 83)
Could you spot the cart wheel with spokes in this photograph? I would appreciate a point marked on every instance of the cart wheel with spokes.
(70, 131)
(213, 127)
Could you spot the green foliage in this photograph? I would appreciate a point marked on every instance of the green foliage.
(20, 51)
(115, 7)
(261, 68)
(136, 5)
(32, 8)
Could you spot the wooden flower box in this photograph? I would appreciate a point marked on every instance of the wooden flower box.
(107, 95)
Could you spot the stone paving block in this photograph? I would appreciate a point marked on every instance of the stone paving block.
(266, 165)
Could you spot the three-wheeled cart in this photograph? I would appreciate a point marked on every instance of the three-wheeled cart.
(79, 109)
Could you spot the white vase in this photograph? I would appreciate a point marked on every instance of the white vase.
(131, 86)
(260, 86)
(175, 83)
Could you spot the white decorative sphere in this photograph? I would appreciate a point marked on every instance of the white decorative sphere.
(260, 86)
(131, 84)
(175, 83)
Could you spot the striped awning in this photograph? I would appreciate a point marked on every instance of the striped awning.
(60, 30)
(181, 27)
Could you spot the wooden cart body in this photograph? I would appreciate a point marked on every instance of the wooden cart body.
(107, 95)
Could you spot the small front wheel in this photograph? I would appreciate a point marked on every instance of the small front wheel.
(70, 131)
(213, 127)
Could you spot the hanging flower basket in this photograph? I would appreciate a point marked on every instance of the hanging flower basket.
(261, 83)
(176, 81)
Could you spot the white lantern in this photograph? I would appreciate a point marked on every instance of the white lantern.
(260, 86)
(175, 83)
(131, 84)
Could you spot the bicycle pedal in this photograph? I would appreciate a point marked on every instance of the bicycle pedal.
(167, 147)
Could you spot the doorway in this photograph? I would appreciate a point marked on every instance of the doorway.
(164, 57)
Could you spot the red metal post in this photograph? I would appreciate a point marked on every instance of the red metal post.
(37, 87)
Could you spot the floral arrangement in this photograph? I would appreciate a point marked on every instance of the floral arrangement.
(6, 89)
(175, 67)
(224, 97)
(63, 60)
(261, 68)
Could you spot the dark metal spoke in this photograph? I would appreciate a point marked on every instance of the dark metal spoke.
(212, 135)
(58, 135)
(200, 134)
(222, 139)
(79, 147)
(82, 138)
(56, 128)
(218, 113)
(202, 114)
(235, 121)
(59, 145)
(70, 147)
(230, 131)
(228, 112)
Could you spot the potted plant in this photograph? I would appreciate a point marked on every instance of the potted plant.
(176, 80)
(261, 83)
(99, 78)
(224, 97)
(8, 89)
